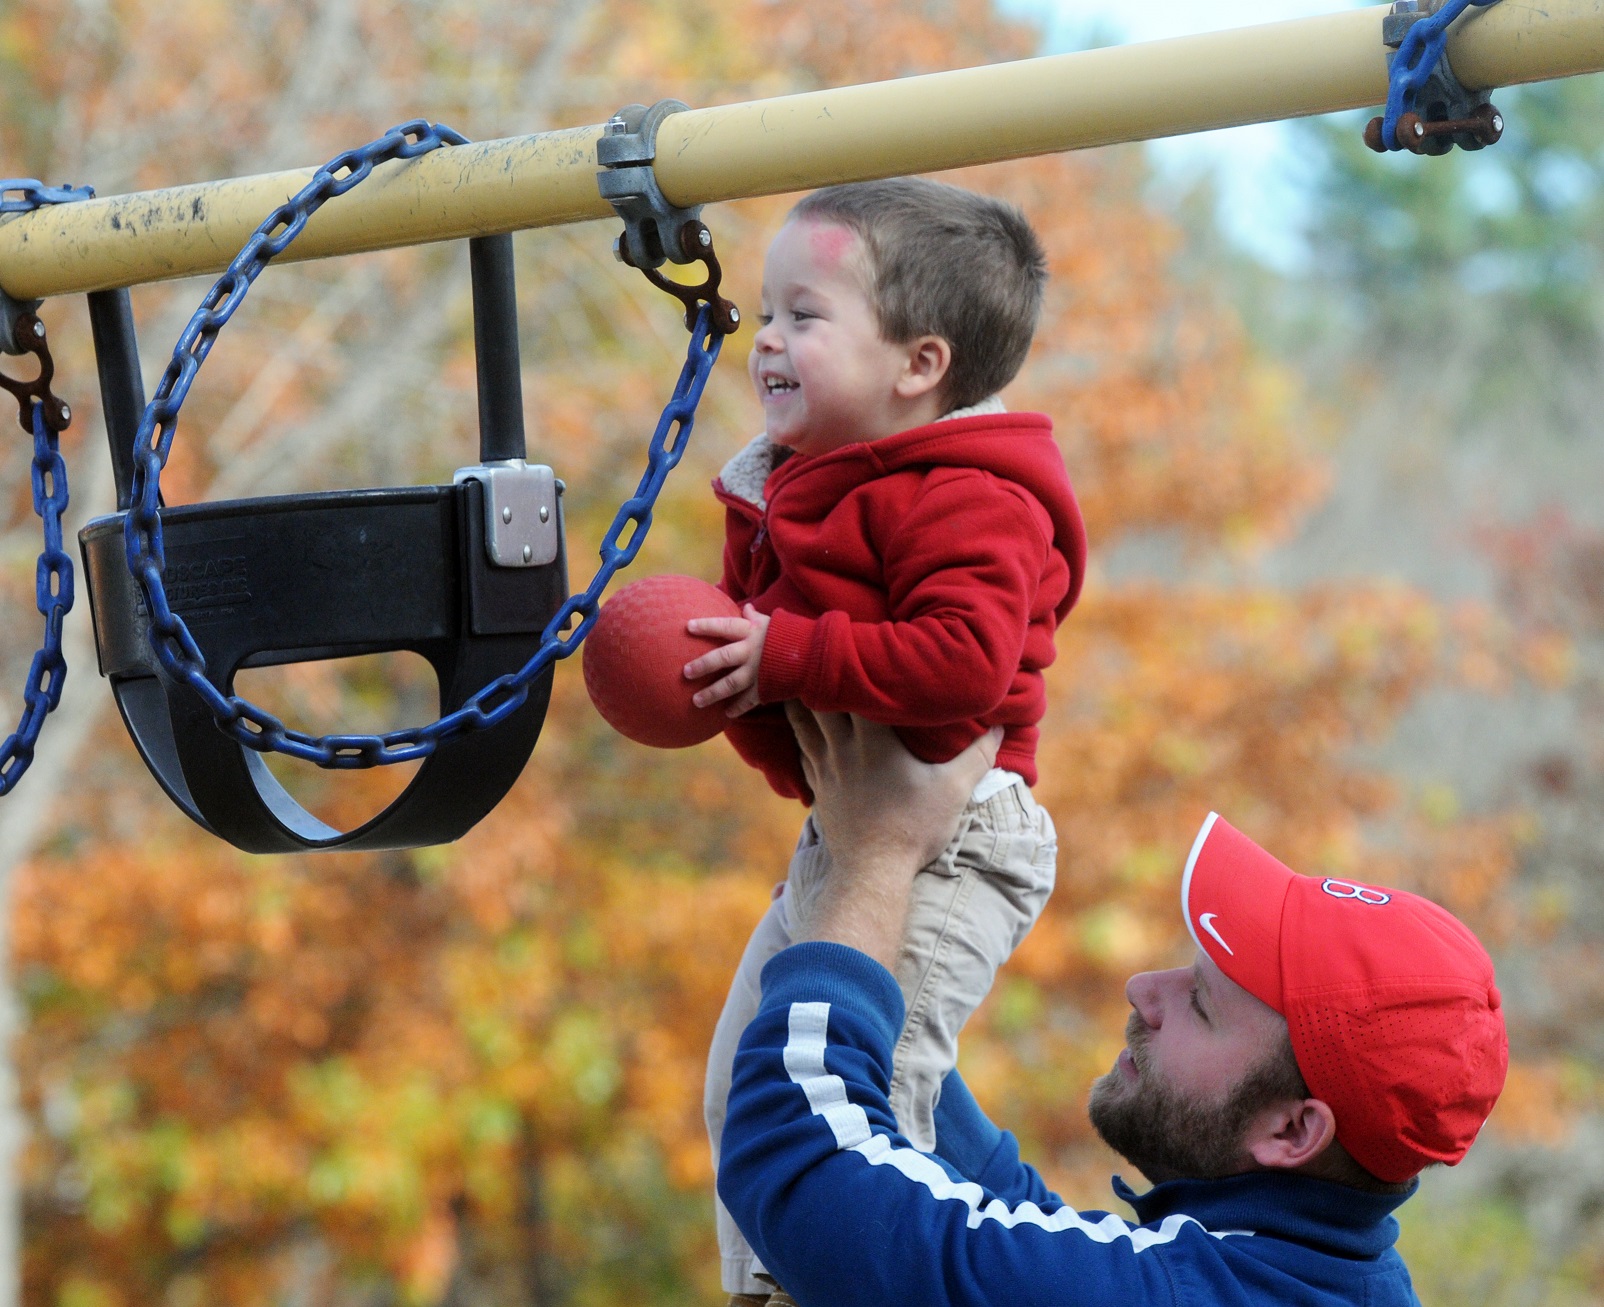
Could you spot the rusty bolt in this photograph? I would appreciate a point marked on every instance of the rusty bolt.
(1411, 132)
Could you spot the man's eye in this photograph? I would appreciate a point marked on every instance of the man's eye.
(1198, 1007)
(763, 319)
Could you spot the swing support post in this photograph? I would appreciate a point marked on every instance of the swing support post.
(797, 142)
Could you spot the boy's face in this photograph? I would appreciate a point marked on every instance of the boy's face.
(822, 372)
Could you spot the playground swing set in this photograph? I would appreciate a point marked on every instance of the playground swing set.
(472, 575)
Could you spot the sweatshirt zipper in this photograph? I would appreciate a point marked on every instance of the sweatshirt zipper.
(751, 509)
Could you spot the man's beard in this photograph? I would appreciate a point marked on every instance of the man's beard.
(1167, 1134)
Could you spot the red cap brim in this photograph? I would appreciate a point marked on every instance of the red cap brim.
(1232, 897)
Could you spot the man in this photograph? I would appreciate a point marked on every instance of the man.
(1328, 1042)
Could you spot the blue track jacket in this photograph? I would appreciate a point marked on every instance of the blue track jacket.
(843, 1211)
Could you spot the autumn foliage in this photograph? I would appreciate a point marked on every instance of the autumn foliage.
(474, 1073)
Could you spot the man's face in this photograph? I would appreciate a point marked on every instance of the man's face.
(1191, 1078)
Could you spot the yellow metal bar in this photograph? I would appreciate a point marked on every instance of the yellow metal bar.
(912, 125)
(1099, 97)
(1489, 48)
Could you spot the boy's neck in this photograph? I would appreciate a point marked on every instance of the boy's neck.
(916, 413)
(981, 408)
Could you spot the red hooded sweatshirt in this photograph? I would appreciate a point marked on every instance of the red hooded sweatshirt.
(915, 580)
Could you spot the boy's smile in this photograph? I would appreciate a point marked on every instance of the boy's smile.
(823, 373)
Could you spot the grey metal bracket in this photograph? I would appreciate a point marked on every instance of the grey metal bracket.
(522, 525)
(627, 181)
(1404, 14)
(10, 311)
(1443, 99)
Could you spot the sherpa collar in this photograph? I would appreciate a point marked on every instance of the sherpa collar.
(745, 475)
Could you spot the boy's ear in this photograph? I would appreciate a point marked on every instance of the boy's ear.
(929, 358)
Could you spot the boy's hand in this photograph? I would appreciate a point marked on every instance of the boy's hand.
(743, 654)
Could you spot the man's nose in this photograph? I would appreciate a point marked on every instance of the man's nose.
(1147, 992)
(767, 339)
(1142, 991)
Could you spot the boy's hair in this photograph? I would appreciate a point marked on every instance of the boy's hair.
(945, 262)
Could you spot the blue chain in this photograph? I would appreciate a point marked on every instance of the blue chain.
(1417, 57)
(30, 194)
(53, 594)
(53, 586)
(170, 637)
(53, 589)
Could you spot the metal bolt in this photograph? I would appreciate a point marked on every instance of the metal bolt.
(618, 248)
(38, 329)
(528, 553)
(616, 126)
(704, 238)
(66, 413)
(545, 513)
(506, 513)
(735, 314)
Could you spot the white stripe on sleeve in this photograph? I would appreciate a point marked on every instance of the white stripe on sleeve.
(827, 1094)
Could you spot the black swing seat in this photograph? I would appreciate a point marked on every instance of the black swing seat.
(300, 578)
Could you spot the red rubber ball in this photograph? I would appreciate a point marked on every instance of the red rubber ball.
(635, 660)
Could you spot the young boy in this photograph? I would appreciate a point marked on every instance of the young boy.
(904, 550)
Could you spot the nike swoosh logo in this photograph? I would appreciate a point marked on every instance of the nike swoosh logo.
(1207, 922)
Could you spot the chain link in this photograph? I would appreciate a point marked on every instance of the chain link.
(53, 594)
(45, 416)
(171, 641)
(24, 195)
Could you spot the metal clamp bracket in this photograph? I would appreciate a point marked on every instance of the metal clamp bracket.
(628, 182)
(11, 313)
(1441, 112)
(522, 524)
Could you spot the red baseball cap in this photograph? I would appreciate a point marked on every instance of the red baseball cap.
(1395, 1020)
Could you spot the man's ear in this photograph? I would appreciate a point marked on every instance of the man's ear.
(929, 358)
(1291, 1134)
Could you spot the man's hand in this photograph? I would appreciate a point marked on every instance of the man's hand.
(883, 814)
(743, 653)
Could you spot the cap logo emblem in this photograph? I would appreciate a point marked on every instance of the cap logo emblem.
(1207, 922)
(1342, 889)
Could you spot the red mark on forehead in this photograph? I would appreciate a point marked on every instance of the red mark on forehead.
(831, 243)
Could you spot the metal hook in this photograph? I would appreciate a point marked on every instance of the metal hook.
(696, 243)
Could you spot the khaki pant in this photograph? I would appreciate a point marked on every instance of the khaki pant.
(970, 909)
